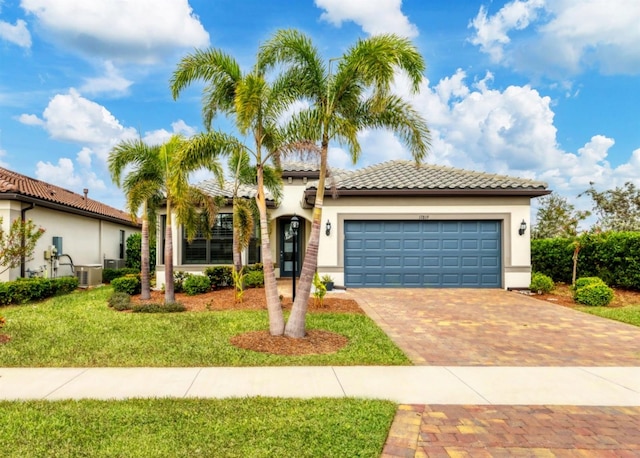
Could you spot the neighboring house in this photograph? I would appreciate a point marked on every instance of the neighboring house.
(393, 224)
(87, 234)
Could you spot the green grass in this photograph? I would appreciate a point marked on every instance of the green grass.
(252, 427)
(80, 330)
(630, 315)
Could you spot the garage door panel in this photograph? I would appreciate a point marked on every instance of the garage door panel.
(423, 253)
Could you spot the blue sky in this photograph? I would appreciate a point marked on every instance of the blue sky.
(544, 89)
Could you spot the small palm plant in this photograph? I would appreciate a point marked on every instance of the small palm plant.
(238, 283)
(320, 290)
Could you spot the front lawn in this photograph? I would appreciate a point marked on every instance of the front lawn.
(630, 315)
(255, 427)
(79, 330)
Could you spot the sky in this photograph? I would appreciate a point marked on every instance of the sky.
(540, 89)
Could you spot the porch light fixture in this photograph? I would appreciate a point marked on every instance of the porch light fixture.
(327, 228)
(523, 228)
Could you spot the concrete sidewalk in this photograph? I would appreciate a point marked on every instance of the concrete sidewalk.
(459, 385)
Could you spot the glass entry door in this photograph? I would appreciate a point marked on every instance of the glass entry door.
(287, 248)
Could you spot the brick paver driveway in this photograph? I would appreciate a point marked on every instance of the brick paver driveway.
(466, 327)
(492, 327)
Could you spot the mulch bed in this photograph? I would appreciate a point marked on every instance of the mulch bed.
(315, 342)
(562, 295)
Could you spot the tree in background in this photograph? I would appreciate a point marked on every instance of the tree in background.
(134, 249)
(17, 245)
(356, 96)
(557, 218)
(617, 209)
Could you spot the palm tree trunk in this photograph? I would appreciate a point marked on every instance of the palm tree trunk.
(145, 286)
(237, 256)
(169, 290)
(297, 319)
(274, 307)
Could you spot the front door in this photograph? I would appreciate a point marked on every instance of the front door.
(290, 247)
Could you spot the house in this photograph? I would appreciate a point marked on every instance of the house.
(86, 234)
(394, 224)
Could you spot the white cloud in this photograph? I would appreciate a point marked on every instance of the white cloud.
(30, 120)
(131, 31)
(492, 32)
(564, 36)
(157, 137)
(64, 175)
(112, 82)
(374, 16)
(17, 34)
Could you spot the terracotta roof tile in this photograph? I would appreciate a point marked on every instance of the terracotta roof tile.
(22, 185)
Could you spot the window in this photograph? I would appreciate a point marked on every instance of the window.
(219, 248)
(121, 256)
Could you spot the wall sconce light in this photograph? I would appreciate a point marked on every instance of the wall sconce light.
(523, 228)
(327, 228)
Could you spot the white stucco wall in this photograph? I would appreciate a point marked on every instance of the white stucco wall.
(86, 240)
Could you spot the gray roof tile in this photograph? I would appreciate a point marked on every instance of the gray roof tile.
(402, 174)
(212, 187)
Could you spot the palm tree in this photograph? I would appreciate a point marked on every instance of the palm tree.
(356, 96)
(158, 174)
(142, 187)
(255, 106)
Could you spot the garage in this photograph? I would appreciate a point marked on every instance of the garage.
(423, 253)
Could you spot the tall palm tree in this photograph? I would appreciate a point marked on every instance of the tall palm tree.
(356, 96)
(157, 174)
(142, 186)
(255, 106)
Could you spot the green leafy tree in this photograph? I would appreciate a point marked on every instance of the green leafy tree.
(17, 245)
(342, 103)
(556, 217)
(617, 209)
(134, 250)
(255, 105)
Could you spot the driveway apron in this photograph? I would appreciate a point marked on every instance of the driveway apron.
(491, 327)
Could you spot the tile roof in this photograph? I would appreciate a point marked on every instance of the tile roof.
(406, 175)
(31, 189)
(212, 187)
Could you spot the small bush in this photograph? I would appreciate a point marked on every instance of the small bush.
(120, 301)
(158, 308)
(64, 285)
(541, 283)
(179, 278)
(586, 281)
(596, 294)
(254, 279)
(129, 284)
(220, 276)
(196, 284)
(254, 267)
(320, 290)
(108, 275)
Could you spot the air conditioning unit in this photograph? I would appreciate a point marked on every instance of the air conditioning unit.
(114, 264)
(89, 275)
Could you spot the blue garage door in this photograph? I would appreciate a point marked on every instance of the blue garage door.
(422, 253)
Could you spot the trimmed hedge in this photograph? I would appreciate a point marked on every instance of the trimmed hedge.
(219, 276)
(129, 284)
(595, 294)
(541, 283)
(108, 275)
(24, 290)
(196, 284)
(612, 256)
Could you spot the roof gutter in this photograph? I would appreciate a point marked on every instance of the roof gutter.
(67, 209)
(310, 193)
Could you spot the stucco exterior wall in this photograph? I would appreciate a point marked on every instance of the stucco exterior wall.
(86, 240)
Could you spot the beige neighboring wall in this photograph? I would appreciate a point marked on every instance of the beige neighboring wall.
(516, 249)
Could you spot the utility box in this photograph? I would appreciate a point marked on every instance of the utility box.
(114, 264)
(57, 242)
(89, 275)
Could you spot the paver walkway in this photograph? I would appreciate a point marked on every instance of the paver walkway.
(491, 327)
(460, 327)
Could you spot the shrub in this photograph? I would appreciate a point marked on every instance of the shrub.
(120, 301)
(129, 284)
(254, 267)
(238, 283)
(254, 279)
(196, 284)
(64, 285)
(134, 247)
(108, 275)
(320, 290)
(220, 276)
(541, 283)
(586, 281)
(595, 294)
(24, 290)
(179, 278)
(158, 308)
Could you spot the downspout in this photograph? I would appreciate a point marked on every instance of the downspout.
(23, 212)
